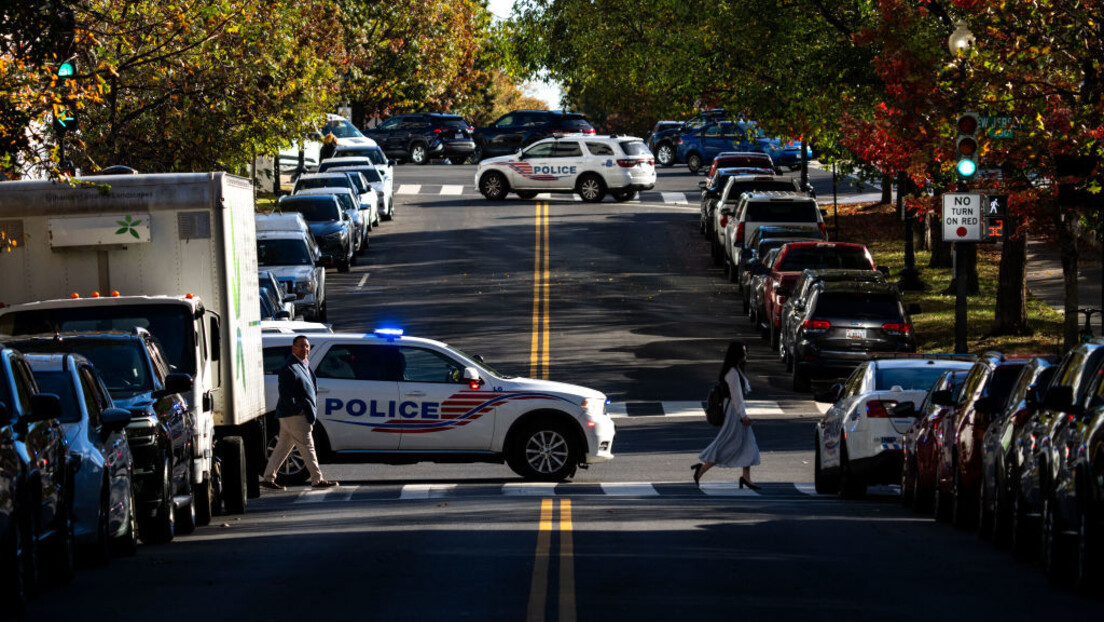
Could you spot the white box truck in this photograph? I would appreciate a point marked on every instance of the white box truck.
(173, 253)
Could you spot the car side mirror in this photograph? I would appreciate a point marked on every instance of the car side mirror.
(283, 314)
(290, 297)
(1059, 398)
(44, 406)
(942, 398)
(175, 383)
(115, 419)
(987, 406)
(702, 184)
(471, 375)
(914, 309)
(830, 395)
(759, 269)
(1033, 397)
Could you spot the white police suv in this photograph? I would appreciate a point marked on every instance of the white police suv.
(387, 398)
(588, 165)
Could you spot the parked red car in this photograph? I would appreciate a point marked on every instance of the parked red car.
(984, 392)
(797, 256)
(921, 442)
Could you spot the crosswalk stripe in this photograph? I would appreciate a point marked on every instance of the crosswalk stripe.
(678, 198)
(452, 190)
(529, 489)
(629, 489)
(312, 496)
(687, 409)
(426, 491)
(409, 189)
(727, 489)
(805, 488)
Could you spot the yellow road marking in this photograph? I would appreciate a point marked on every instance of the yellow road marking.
(538, 587)
(538, 349)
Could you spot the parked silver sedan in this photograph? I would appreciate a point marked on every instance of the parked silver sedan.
(104, 511)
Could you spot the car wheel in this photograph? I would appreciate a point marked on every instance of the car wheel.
(161, 529)
(14, 589)
(984, 519)
(591, 188)
(458, 159)
(694, 163)
(1002, 514)
(1025, 534)
(293, 471)
(824, 484)
(716, 253)
(851, 485)
(624, 195)
(746, 306)
(418, 154)
(907, 489)
(127, 544)
(731, 272)
(99, 552)
(787, 358)
(186, 515)
(961, 511)
(493, 186)
(773, 332)
(526, 194)
(800, 379)
(323, 313)
(61, 564)
(1054, 554)
(1087, 571)
(476, 155)
(203, 498)
(665, 154)
(234, 489)
(941, 504)
(544, 451)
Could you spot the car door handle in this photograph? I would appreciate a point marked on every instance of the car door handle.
(415, 394)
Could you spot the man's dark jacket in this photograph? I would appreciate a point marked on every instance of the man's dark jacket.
(298, 390)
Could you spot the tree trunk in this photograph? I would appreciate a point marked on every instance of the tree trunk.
(1010, 315)
(1067, 244)
(940, 250)
(887, 189)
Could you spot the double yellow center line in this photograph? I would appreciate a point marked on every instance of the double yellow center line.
(538, 589)
(538, 351)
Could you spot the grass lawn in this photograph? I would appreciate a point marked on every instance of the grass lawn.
(879, 227)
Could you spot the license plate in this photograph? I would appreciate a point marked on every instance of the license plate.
(856, 333)
(458, 135)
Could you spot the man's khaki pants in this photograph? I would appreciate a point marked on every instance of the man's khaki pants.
(295, 433)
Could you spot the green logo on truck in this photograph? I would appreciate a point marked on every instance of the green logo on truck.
(127, 225)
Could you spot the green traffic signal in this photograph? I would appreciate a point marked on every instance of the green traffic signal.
(65, 70)
(966, 168)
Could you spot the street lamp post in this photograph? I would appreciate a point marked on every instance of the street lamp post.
(910, 276)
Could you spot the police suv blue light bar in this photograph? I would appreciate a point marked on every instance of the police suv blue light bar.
(389, 333)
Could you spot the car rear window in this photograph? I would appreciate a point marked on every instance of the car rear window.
(858, 305)
(455, 123)
(740, 187)
(1004, 378)
(577, 122)
(908, 378)
(331, 181)
(781, 211)
(824, 258)
(634, 147)
(322, 210)
(745, 161)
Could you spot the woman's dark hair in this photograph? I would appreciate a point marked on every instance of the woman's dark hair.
(736, 356)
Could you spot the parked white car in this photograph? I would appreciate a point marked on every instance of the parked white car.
(590, 166)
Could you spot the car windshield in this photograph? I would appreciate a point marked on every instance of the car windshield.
(59, 383)
(635, 147)
(919, 378)
(781, 211)
(824, 258)
(323, 210)
(120, 364)
(168, 323)
(858, 305)
(341, 128)
(374, 154)
(283, 253)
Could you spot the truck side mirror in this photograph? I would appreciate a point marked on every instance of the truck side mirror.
(942, 398)
(175, 383)
(115, 419)
(44, 406)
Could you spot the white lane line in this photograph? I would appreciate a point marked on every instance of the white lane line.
(529, 489)
(426, 491)
(691, 410)
(629, 489)
(726, 489)
(363, 280)
(312, 496)
(452, 190)
(805, 488)
(409, 189)
(674, 197)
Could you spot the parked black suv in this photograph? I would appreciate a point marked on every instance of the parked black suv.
(421, 137)
(520, 128)
(843, 324)
(663, 141)
(161, 430)
(35, 483)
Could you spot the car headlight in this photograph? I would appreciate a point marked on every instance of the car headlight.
(336, 236)
(595, 406)
(304, 287)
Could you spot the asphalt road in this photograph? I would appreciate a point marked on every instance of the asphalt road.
(620, 297)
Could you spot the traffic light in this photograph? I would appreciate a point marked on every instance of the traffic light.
(65, 112)
(966, 145)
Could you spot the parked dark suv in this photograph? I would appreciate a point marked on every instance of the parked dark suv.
(520, 128)
(421, 137)
(161, 429)
(35, 481)
(843, 324)
(664, 141)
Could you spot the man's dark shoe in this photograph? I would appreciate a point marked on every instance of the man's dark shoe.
(272, 485)
(325, 483)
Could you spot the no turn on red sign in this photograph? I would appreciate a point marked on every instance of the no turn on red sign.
(962, 217)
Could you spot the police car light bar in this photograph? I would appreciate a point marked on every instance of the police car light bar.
(389, 333)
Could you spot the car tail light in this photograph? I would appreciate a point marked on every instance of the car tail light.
(823, 231)
(879, 409)
(627, 162)
(680, 140)
(589, 130)
(896, 328)
(816, 326)
(436, 130)
(724, 221)
(740, 234)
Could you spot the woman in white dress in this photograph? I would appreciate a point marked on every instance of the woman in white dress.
(735, 445)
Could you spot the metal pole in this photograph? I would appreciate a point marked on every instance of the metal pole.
(835, 204)
(910, 276)
(960, 298)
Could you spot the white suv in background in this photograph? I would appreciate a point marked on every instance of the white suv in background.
(588, 165)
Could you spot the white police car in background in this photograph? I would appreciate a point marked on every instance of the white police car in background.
(588, 165)
(390, 399)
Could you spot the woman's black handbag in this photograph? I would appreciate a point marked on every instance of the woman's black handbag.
(715, 404)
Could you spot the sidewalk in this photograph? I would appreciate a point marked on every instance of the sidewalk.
(1044, 280)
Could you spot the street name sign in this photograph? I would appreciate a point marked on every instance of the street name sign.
(962, 217)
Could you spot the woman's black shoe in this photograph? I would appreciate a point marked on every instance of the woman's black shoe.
(744, 482)
(697, 473)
